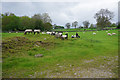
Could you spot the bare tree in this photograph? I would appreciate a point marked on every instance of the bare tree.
(68, 25)
(103, 17)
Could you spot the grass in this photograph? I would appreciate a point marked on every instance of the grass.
(79, 29)
(78, 58)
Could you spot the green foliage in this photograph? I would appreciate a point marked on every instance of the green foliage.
(47, 26)
(59, 27)
(11, 22)
(86, 24)
(25, 23)
(118, 26)
(103, 18)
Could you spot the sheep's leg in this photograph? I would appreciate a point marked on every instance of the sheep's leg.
(24, 33)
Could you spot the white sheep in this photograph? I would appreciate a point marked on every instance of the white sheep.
(28, 31)
(113, 33)
(49, 32)
(37, 31)
(73, 36)
(64, 36)
(94, 33)
(109, 34)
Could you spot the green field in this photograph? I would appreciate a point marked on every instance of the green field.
(80, 29)
(91, 56)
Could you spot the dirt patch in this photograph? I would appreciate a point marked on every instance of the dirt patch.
(16, 44)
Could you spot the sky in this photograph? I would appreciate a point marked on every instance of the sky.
(61, 11)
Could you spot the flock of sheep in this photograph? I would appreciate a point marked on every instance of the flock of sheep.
(56, 34)
(60, 34)
(110, 34)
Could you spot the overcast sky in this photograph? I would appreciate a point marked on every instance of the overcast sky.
(61, 11)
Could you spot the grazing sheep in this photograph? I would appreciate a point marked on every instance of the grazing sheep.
(9, 32)
(109, 34)
(60, 34)
(94, 33)
(28, 31)
(53, 33)
(16, 32)
(49, 33)
(75, 36)
(113, 33)
(64, 36)
(37, 31)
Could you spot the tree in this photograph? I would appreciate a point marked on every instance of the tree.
(103, 18)
(46, 18)
(118, 25)
(86, 24)
(10, 23)
(47, 26)
(59, 27)
(37, 16)
(113, 25)
(91, 26)
(68, 25)
(25, 23)
(74, 24)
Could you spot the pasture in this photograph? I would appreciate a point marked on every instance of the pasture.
(90, 56)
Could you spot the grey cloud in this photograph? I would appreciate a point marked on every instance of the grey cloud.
(62, 12)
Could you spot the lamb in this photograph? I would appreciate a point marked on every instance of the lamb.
(113, 33)
(28, 31)
(109, 34)
(37, 31)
